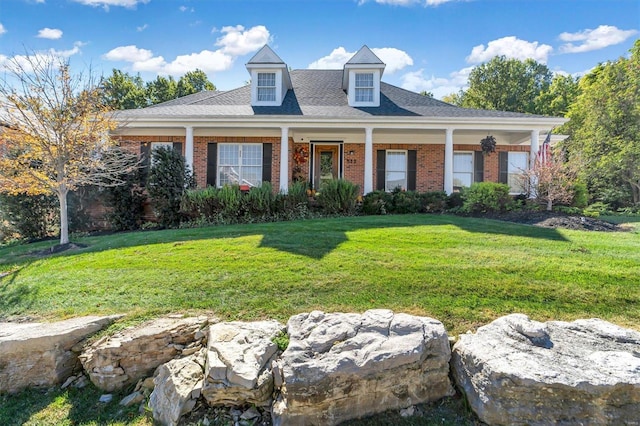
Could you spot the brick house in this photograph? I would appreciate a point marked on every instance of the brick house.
(315, 125)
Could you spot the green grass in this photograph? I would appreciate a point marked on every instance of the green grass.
(462, 271)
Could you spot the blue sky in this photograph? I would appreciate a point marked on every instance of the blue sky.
(427, 44)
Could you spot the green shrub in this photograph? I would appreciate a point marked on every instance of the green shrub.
(168, 179)
(486, 197)
(454, 200)
(580, 195)
(295, 199)
(78, 204)
(433, 202)
(599, 207)
(32, 216)
(338, 196)
(201, 204)
(125, 202)
(375, 203)
(230, 198)
(260, 202)
(403, 202)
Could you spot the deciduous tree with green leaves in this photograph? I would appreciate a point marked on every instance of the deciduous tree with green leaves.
(605, 130)
(55, 133)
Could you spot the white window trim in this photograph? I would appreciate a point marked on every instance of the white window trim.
(473, 165)
(370, 89)
(352, 88)
(156, 145)
(266, 87)
(219, 184)
(278, 87)
(406, 168)
(520, 171)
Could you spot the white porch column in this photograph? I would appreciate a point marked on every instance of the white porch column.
(284, 160)
(535, 138)
(448, 161)
(188, 147)
(368, 160)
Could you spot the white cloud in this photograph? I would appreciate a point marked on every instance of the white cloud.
(128, 54)
(106, 3)
(601, 37)
(511, 47)
(416, 81)
(395, 59)
(2, 29)
(185, 9)
(236, 41)
(25, 61)
(142, 28)
(50, 33)
(410, 2)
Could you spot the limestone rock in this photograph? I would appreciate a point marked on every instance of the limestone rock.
(40, 354)
(177, 387)
(517, 371)
(344, 366)
(238, 369)
(120, 360)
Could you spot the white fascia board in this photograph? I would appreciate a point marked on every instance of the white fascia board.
(271, 66)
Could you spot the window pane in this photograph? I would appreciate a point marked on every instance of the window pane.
(364, 80)
(395, 180)
(396, 161)
(364, 95)
(462, 179)
(267, 79)
(252, 155)
(251, 175)
(229, 155)
(518, 162)
(463, 162)
(266, 94)
(396, 170)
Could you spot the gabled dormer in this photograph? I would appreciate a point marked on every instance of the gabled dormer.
(270, 78)
(361, 78)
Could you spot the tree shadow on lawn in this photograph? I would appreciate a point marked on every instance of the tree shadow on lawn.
(13, 296)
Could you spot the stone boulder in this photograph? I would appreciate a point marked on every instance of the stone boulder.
(517, 371)
(238, 368)
(120, 360)
(178, 385)
(345, 366)
(40, 354)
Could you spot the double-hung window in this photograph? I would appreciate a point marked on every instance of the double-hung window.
(396, 170)
(364, 87)
(266, 87)
(518, 162)
(462, 169)
(239, 164)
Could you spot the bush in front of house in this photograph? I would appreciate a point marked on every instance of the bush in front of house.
(125, 202)
(167, 181)
(486, 197)
(402, 202)
(33, 217)
(338, 196)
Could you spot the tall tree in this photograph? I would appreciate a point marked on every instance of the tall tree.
(560, 95)
(123, 91)
(162, 89)
(56, 131)
(194, 82)
(605, 129)
(507, 85)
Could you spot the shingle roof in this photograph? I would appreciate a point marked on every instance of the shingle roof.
(316, 93)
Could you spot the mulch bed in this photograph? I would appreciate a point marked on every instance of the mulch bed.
(547, 219)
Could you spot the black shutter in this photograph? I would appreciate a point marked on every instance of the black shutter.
(267, 149)
(503, 161)
(177, 146)
(145, 161)
(412, 156)
(478, 166)
(212, 163)
(381, 161)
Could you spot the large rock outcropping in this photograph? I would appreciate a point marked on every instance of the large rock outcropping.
(120, 360)
(344, 366)
(40, 354)
(516, 371)
(238, 369)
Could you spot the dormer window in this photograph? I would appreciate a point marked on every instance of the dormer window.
(266, 87)
(364, 87)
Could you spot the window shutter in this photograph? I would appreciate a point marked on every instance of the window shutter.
(177, 146)
(503, 161)
(380, 169)
(212, 163)
(145, 156)
(478, 166)
(267, 149)
(412, 156)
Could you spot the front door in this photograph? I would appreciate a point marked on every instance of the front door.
(326, 164)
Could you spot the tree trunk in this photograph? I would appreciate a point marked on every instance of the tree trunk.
(549, 204)
(64, 218)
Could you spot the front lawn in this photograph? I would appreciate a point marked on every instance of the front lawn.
(462, 271)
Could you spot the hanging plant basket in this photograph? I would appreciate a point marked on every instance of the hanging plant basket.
(488, 144)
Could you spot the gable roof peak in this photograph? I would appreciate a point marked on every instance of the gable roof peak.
(365, 56)
(265, 55)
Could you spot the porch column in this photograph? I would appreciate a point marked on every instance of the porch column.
(368, 160)
(284, 160)
(535, 137)
(188, 147)
(448, 161)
